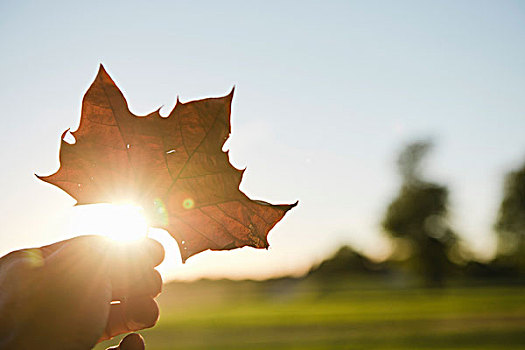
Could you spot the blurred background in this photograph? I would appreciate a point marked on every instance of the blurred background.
(399, 127)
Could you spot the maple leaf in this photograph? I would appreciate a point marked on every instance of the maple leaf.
(173, 167)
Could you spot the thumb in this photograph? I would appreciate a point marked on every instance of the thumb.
(133, 341)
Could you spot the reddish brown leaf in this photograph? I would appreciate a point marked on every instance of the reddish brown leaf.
(173, 167)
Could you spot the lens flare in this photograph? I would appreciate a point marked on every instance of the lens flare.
(188, 203)
(34, 257)
(160, 212)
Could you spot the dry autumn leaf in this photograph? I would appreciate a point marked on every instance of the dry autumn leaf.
(173, 167)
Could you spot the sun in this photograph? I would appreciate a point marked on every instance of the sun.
(120, 222)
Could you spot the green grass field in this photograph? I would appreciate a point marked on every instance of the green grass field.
(301, 314)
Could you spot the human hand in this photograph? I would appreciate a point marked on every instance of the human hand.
(60, 296)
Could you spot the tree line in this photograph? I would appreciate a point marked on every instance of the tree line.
(419, 215)
(417, 220)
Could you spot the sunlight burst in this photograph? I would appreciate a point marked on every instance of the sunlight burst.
(122, 222)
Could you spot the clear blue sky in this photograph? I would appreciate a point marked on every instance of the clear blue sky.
(326, 95)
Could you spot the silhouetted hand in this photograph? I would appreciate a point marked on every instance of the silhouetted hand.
(60, 296)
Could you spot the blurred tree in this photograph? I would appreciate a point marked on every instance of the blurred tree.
(510, 223)
(347, 262)
(419, 215)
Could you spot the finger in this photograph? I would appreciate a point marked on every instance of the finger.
(148, 250)
(145, 252)
(131, 315)
(93, 243)
(156, 251)
(131, 341)
(84, 258)
(131, 269)
(145, 282)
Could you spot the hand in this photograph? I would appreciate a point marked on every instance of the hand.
(60, 296)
